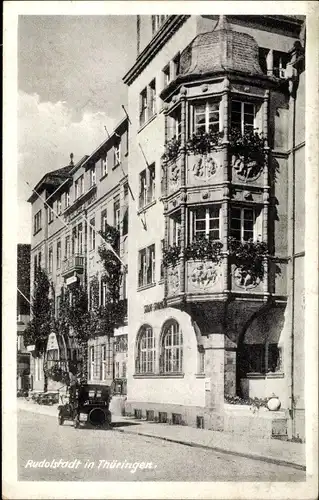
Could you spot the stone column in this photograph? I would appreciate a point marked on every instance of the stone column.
(226, 182)
(270, 62)
(183, 164)
(214, 370)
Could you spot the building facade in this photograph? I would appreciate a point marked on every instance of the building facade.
(215, 273)
(23, 316)
(81, 200)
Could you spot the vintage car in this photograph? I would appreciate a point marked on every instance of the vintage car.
(86, 404)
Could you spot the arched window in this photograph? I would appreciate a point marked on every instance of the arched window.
(172, 348)
(145, 361)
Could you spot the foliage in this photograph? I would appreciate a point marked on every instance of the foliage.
(57, 374)
(248, 149)
(254, 402)
(204, 249)
(38, 330)
(248, 255)
(172, 148)
(171, 255)
(203, 142)
(112, 314)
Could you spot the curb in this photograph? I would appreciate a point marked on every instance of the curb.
(253, 456)
(275, 461)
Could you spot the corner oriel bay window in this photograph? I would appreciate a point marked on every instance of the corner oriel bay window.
(171, 358)
(205, 222)
(146, 266)
(206, 117)
(145, 359)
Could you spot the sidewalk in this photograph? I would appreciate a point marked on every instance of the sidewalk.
(272, 450)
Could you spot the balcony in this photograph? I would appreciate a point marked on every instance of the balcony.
(75, 263)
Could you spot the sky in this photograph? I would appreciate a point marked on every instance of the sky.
(70, 71)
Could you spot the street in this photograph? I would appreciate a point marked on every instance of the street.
(49, 452)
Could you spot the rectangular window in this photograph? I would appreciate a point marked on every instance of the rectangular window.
(92, 177)
(242, 223)
(162, 253)
(50, 214)
(117, 153)
(146, 274)
(206, 117)
(50, 260)
(176, 62)
(157, 22)
(67, 198)
(123, 369)
(79, 186)
(103, 220)
(67, 248)
(104, 166)
(152, 93)
(91, 362)
(126, 211)
(117, 214)
(205, 223)
(37, 222)
(104, 293)
(59, 206)
(166, 75)
(104, 361)
(143, 106)
(280, 62)
(58, 254)
(176, 226)
(147, 186)
(92, 234)
(243, 116)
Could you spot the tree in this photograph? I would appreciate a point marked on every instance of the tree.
(38, 330)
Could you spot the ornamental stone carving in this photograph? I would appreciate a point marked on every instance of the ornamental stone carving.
(173, 280)
(246, 170)
(204, 168)
(174, 175)
(244, 279)
(204, 275)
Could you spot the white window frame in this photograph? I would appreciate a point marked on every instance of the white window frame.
(242, 114)
(207, 104)
(58, 254)
(92, 176)
(50, 259)
(192, 222)
(166, 75)
(117, 214)
(117, 153)
(152, 98)
(242, 219)
(146, 266)
(143, 107)
(146, 350)
(104, 371)
(92, 234)
(172, 348)
(59, 205)
(92, 361)
(104, 166)
(147, 186)
(103, 219)
(67, 198)
(37, 222)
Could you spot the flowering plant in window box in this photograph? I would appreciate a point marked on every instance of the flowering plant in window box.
(254, 403)
(172, 148)
(203, 143)
(204, 249)
(171, 255)
(248, 256)
(248, 152)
